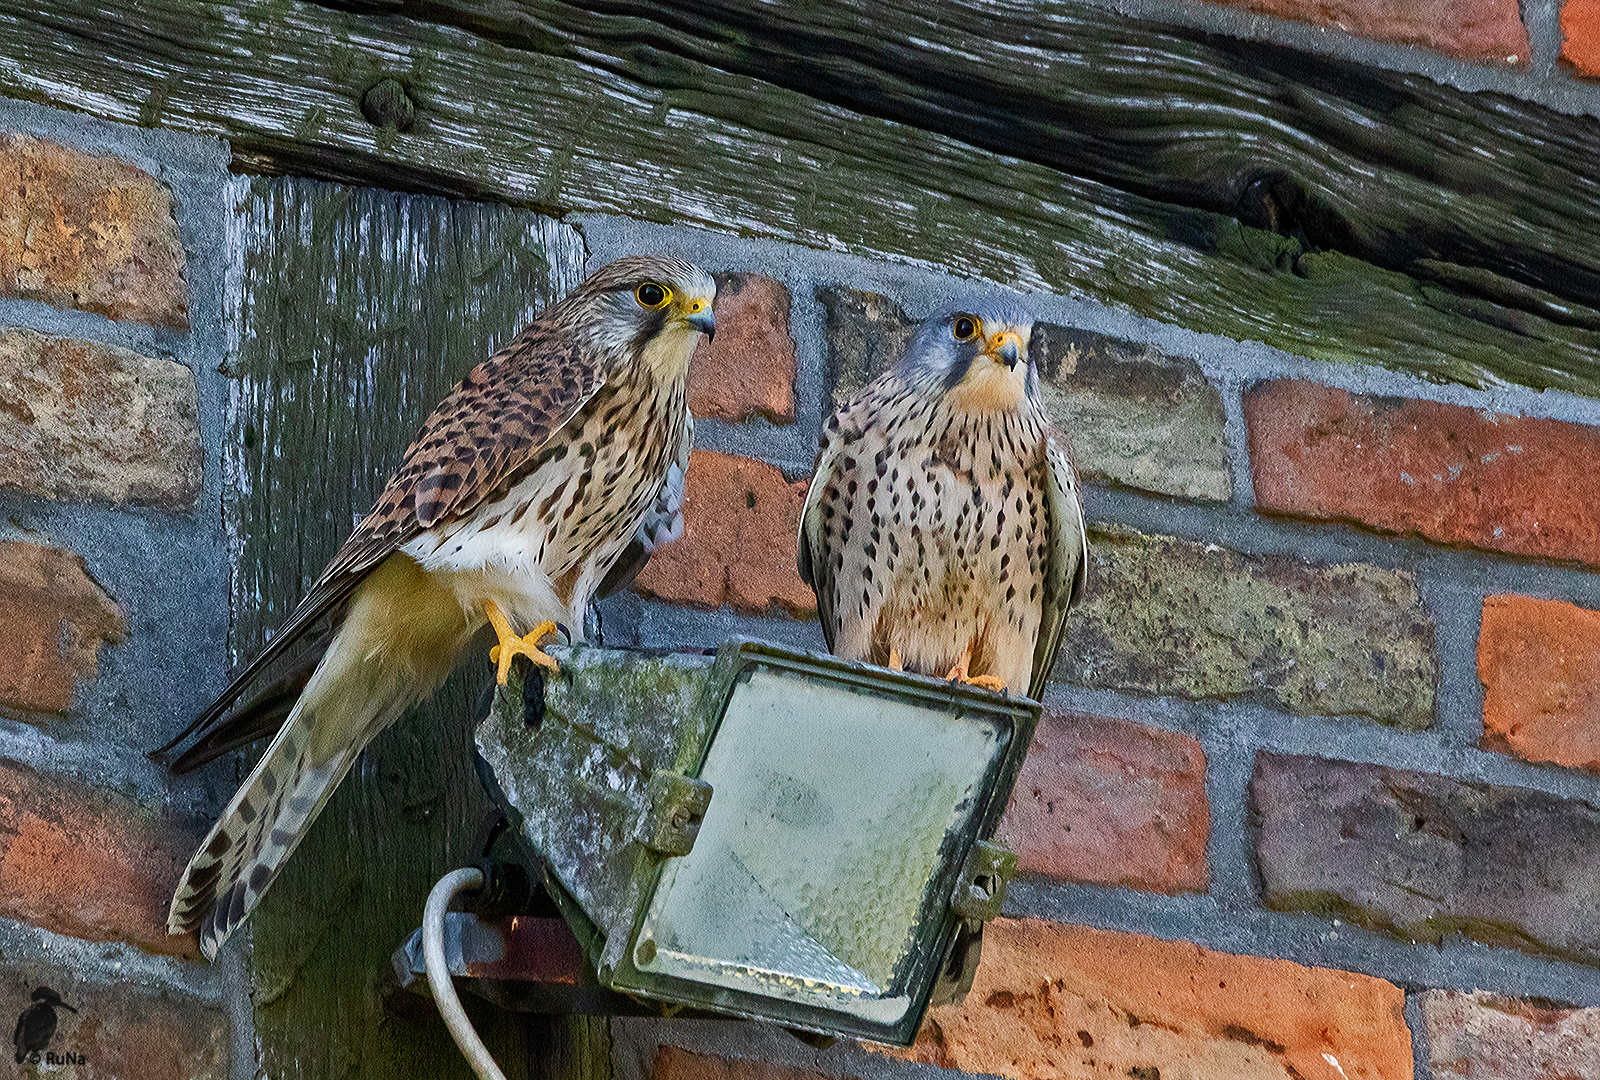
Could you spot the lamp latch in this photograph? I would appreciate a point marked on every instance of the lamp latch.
(677, 806)
(981, 888)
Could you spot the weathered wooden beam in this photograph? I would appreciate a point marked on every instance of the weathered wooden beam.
(284, 80)
(1388, 167)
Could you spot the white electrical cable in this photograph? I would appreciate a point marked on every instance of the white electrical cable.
(444, 990)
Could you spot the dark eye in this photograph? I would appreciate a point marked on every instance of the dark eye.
(965, 328)
(652, 295)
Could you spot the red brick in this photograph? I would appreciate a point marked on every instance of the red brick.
(86, 862)
(1481, 1036)
(1580, 35)
(89, 232)
(53, 618)
(81, 420)
(1485, 30)
(1450, 474)
(740, 520)
(1112, 802)
(1539, 662)
(1067, 1001)
(671, 1063)
(123, 1030)
(749, 369)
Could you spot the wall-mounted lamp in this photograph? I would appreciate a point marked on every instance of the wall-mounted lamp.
(771, 834)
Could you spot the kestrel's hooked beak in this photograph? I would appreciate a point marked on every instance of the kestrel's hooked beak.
(699, 316)
(1005, 348)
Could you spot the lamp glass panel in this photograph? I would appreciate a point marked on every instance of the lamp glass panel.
(811, 872)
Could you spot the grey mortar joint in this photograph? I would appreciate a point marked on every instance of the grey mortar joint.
(1419, 1037)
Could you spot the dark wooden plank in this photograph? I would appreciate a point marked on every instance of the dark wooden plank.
(284, 80)
(359, 310)
(569, 1048)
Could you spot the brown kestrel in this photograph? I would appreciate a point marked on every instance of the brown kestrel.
(943, 531)
(534, 485)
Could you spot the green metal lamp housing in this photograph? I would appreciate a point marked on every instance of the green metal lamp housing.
(771, 834)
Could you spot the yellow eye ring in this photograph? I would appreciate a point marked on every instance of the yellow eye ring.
(966, 327)
(653, 295)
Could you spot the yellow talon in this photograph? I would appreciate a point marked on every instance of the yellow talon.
(512, 646)
(985, 682)
(894, 659)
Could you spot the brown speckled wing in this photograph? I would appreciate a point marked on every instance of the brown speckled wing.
(488, 431)
(1066, 570)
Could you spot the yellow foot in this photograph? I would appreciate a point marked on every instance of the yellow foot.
(894, 659)
(985, 682)
(511, 645)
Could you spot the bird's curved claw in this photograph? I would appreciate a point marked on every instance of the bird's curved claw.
(512, 646)
(983, 682)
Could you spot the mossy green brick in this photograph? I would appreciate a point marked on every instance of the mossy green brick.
(1138, 417)
(1164, 615)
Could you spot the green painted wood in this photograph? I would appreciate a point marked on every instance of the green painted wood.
(357, 310)
(569, 1048)
(636, 130)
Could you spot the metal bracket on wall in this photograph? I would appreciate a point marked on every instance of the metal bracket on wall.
(525, 963)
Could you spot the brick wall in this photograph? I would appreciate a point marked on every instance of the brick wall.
(113, 574)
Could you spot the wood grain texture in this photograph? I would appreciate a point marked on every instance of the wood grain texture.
(569, 1048)
(1440, 233)
(358, 311)
(1389, 167)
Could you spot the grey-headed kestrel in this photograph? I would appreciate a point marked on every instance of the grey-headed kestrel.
(943, 531)
(538, 482)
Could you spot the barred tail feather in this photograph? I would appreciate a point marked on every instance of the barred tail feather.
(257, 833)
(397, 644)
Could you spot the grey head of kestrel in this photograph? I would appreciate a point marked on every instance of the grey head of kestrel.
(943, 530)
